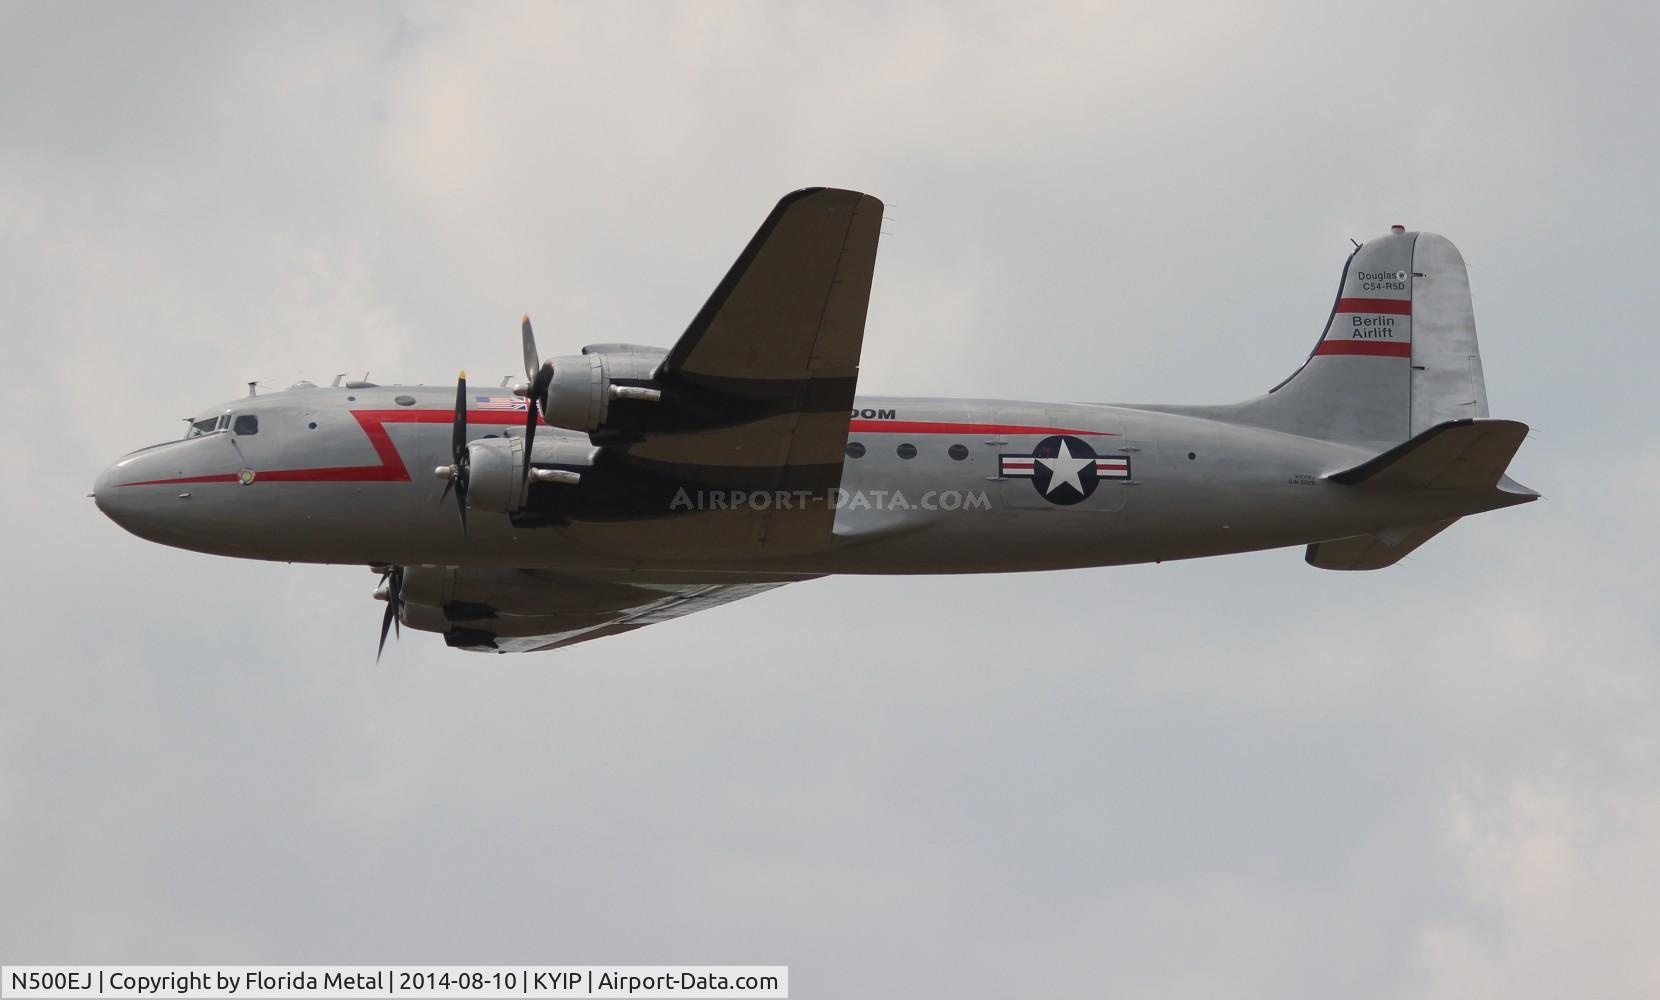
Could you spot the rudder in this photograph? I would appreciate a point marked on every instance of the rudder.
(1447, 383)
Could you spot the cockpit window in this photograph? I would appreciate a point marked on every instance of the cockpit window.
(247, 423)
(201, 427)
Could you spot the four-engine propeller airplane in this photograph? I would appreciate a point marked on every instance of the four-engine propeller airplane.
(629, 485)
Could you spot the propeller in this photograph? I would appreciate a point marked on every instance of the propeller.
(455, 474)
(390, 591)
(541, 377)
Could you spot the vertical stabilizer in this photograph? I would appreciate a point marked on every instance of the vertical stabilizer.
(1397, 355)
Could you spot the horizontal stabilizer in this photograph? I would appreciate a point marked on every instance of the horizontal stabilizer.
(1456, 455)
(1375, 551)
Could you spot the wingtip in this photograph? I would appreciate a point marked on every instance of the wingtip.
(1516, 492)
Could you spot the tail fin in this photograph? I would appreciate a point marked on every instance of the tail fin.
(1465, 457)
(1398, 354)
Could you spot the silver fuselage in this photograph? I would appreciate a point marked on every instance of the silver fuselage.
(345, 476)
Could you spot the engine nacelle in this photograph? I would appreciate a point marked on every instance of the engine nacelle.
(496, 469)
(579, 397)
(495, 474)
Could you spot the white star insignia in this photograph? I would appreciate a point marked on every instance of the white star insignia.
(1064, 469)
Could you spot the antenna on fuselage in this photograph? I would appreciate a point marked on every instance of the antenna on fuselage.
(253, 385)
(337, 378)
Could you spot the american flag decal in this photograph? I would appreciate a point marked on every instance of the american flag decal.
(509, 403)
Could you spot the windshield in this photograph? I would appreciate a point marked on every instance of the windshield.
(206, 425)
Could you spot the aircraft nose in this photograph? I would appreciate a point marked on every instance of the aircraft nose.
(116, 504)
(126, 494)
(179, 493)
(102, 493)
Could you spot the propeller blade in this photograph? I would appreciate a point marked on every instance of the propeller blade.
(458, 451)
(539, 384)
(532, 360)
(458, 437)
(385, 627)
(392, 580)
(530, 439)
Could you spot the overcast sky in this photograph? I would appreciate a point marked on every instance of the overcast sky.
(1237, 777)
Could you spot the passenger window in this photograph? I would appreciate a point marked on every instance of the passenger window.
(246, 424)
(907, 450)
(855, 450)
(957, 452)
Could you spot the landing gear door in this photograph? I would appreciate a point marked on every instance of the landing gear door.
(1061, 459)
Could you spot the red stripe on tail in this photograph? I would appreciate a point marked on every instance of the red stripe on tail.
(1392, 307)
(1371, 348)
